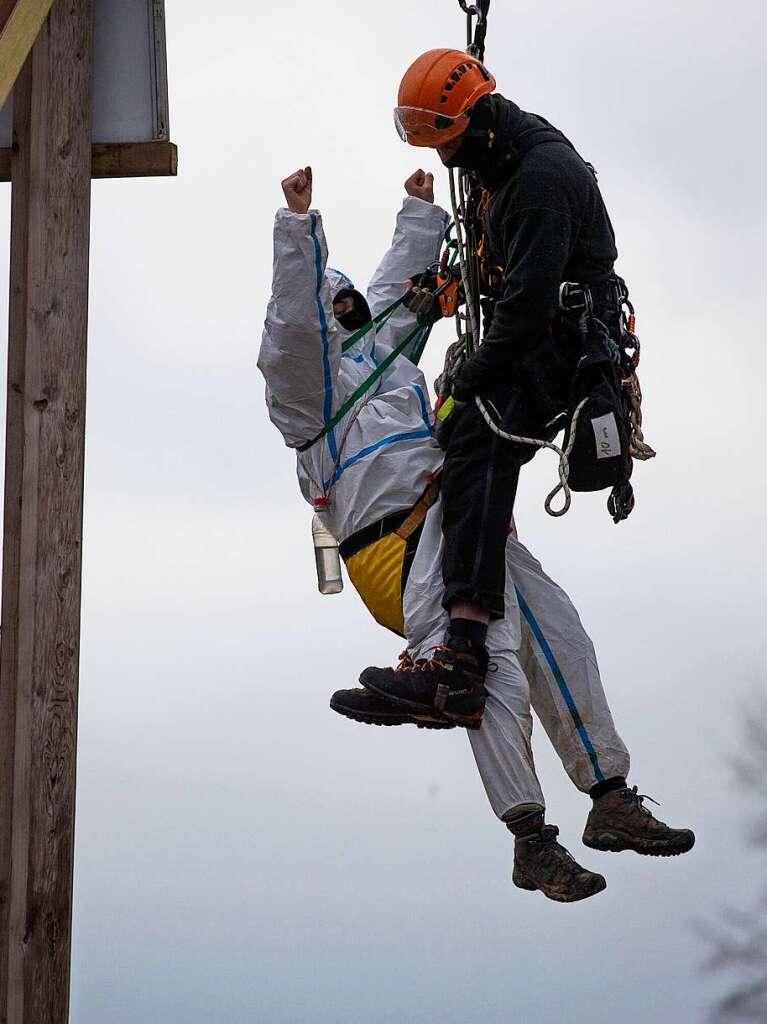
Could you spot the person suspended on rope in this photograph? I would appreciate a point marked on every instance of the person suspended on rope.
(543, 223)
(374, 475)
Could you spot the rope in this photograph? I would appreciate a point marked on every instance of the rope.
(639, 448)
(564, 454)
(473, 333)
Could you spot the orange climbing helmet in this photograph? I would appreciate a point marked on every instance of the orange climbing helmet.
(437, 95)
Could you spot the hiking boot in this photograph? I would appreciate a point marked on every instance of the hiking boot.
(448, 687)
(540, 862)
(619, 820)
(363, 706)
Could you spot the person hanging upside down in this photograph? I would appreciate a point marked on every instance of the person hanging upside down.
(376, 474)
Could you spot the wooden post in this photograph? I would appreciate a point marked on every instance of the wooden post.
(40, 646)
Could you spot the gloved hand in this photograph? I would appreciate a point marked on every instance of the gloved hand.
(424, 304)
(472, 378)
(419, 298)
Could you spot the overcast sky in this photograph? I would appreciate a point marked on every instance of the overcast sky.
(243, 854)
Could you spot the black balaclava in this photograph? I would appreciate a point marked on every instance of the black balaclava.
(358, 315)
(478, 150)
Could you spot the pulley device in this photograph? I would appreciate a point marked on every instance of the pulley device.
(603, 424)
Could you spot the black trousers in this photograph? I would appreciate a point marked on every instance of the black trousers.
(481, 471)
(479, 485)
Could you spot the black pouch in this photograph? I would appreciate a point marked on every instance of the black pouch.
(545, 377)
(601, 455)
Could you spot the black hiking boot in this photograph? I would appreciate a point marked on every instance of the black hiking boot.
(449, 687)
(540, 862)
(619, 821)
(363, 706)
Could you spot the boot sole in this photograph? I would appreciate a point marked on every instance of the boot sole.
(426, 715)
(522, 882)
(614, 842)
(370, 719)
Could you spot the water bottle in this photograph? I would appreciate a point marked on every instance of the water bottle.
(329, 578)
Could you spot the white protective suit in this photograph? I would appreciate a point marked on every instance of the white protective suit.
(377, 461)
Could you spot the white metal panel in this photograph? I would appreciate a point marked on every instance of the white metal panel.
(130, 82)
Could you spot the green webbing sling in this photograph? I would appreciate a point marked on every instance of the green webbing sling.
(382, 367)
(378, 321)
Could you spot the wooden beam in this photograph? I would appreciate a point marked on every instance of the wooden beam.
(17, 39)
(134, 160)
(120, 160)
(42, 541)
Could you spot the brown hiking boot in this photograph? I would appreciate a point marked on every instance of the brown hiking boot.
(540, 862)
(619, 820)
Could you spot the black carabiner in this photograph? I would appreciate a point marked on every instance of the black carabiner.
(475, 34)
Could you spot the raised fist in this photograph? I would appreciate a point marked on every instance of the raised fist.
(421, 186)
(297, 188)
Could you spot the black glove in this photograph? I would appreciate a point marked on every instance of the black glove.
(427, 280)
(471, 379)
(424, 305)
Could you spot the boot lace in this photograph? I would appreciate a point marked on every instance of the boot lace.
(406, 663)
(637, 798)
(547, 841)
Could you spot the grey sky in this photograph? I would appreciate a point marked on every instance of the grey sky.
(242, 853)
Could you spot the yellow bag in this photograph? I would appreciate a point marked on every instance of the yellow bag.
(378, 559)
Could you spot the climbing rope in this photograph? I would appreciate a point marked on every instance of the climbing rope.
(564, 454)
(638, 447)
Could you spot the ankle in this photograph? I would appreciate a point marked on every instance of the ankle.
(468, 630)
(607, 786)
(528, 823)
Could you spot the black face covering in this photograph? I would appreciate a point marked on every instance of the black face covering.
(358, 315)
(477, 151)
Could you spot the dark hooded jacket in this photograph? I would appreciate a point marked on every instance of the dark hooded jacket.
(545, 223)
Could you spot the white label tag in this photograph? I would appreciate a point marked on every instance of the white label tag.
(606, 435)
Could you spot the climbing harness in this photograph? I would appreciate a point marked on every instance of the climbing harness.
(354, 404)
(327, 555)
(382, 367)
